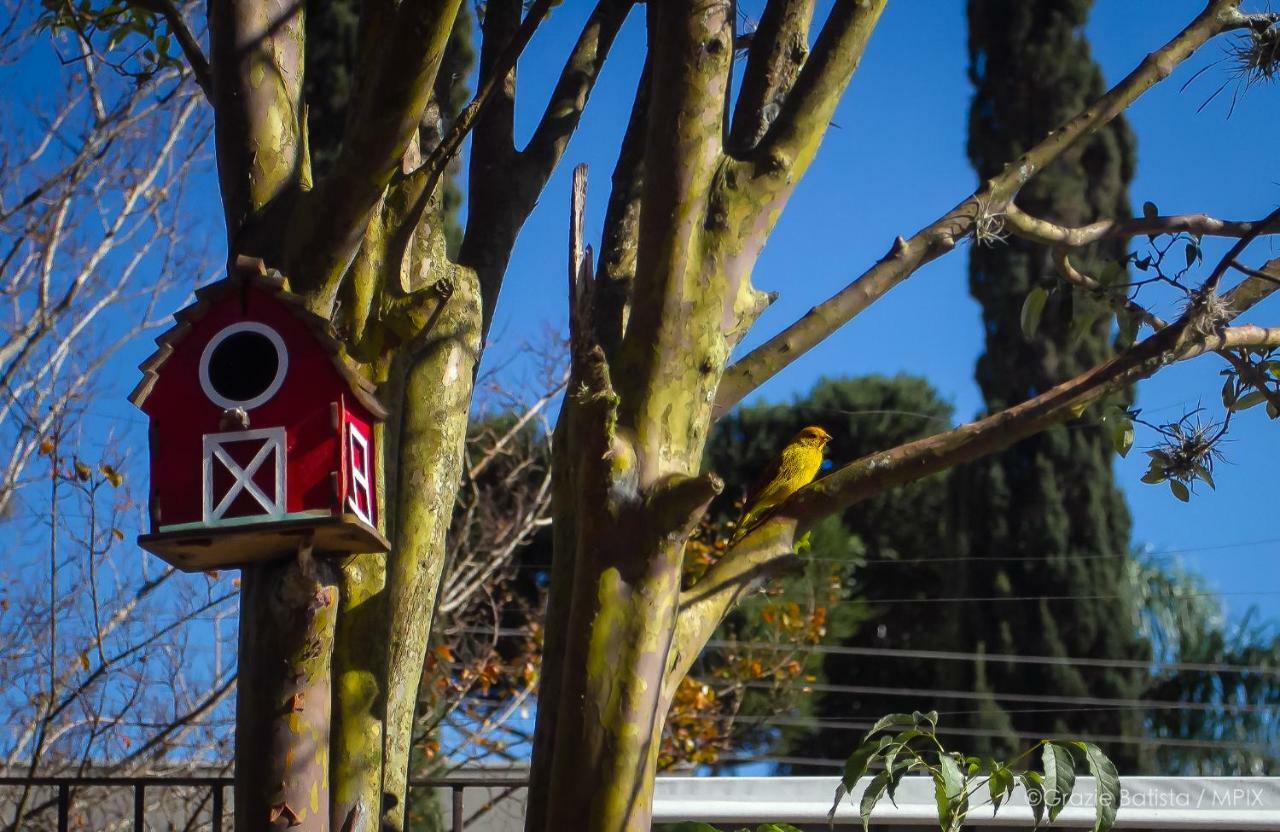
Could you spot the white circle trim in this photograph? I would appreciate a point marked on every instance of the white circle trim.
(282, 365)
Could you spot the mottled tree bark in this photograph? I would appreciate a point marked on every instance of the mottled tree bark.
(288, 611)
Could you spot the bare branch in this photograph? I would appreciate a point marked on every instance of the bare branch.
(704, 604)
(1251, 375)
(618, 249)
(504, 184)
(1181, 340)
(779, 48)
(417, 187)
(573, 88)
(1043, 231)
(794, 137)
(939, 237)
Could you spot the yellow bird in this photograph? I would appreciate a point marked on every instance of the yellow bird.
(794, 468)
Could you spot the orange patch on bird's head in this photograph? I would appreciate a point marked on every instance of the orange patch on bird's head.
(813, 436)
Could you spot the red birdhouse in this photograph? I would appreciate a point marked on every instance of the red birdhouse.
(261, 434)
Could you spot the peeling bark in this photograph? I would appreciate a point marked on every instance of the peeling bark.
(288, 611)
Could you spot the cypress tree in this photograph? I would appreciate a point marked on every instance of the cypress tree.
(1048, 508)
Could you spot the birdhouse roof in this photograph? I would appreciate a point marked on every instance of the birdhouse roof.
(252, 272)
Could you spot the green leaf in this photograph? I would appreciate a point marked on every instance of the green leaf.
(1120, 430)
(1126, 440)
(952, 776)
(1032, 310)
(1203, 473)
(1059, 777)
(895, 779)
(1128, 324)
(891, 755)
(889, 721)
(1154, 476)
(1149, 210)
(1108, 785)
(856, 765)
(871, 796)
(931, 717)
(1034, 784)
(944, 805)
(841, 791)
(1000, 785)
(1249, 400)
(776, 827)
(693, 826)
(1180, 491)
(904, 739)
(1086, 311)
(952, 786)
(1229, 392)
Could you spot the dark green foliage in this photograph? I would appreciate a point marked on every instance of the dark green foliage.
(330, 76)
(1050, 499)
(894, 536)
(332, 42)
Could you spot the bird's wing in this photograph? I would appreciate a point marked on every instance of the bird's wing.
(766, 493)
(767, 477)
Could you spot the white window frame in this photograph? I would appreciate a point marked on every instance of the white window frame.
(273, 445)
(282, 365)
(358, 448)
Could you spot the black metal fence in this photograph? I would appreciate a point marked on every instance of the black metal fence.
(218, 786)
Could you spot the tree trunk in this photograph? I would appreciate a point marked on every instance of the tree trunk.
(288, 611)
(612, 715)
(628, 446)
(428, 468)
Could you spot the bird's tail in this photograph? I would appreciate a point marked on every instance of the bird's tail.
(750, 522)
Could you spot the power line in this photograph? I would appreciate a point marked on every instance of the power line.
(945, 655)
(1174, 742)
(1244, 544)
(1118, 556)
(1036, 698)
(1010, 658)
(992, 599)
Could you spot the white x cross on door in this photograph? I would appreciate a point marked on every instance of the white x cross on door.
(270, 450)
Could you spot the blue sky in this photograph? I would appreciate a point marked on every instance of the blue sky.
(895, 162)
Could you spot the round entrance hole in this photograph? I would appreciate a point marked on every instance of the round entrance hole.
(243, 365)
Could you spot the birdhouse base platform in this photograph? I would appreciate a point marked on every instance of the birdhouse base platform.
(199, 548)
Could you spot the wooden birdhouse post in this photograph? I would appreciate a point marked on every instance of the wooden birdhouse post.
(261, 435)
